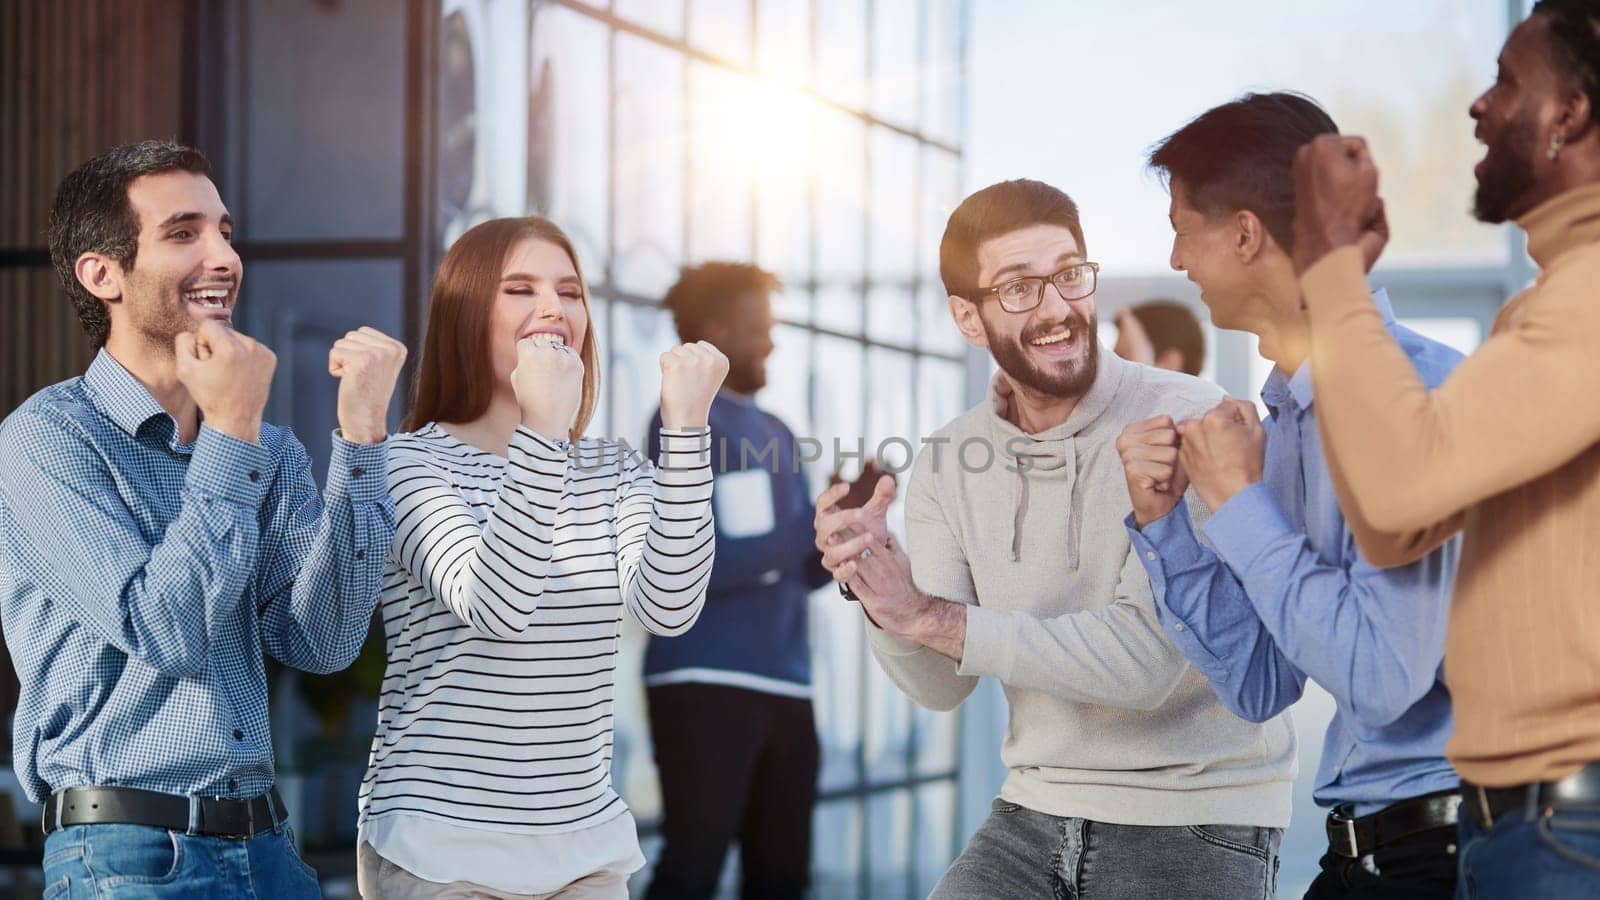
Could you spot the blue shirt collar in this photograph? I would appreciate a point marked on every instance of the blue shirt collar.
(118, 395)
(1278, 386)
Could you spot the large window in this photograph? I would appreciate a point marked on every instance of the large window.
(820, 140)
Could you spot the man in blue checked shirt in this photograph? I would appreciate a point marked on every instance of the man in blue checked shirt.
(156, 536)
(1281, 593)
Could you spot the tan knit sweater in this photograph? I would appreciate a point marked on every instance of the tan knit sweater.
(1506, 451)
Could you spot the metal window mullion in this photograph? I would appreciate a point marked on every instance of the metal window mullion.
(867, 258)
(610, 265)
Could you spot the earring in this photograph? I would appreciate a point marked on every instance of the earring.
(1555, 147)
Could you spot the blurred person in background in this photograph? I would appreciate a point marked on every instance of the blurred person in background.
(1161, 333)
(730, 702)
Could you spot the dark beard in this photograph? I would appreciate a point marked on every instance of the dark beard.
(1508, 173)
(746, 377)
(1068, 381)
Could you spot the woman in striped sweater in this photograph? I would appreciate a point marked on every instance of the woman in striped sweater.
(518, 544)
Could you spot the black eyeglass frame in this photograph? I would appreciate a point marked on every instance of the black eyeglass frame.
(1093, 268)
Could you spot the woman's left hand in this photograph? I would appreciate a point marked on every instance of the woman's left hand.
(691, 374)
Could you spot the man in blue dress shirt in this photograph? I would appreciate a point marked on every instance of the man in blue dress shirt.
(1281, 593)
(156, 537)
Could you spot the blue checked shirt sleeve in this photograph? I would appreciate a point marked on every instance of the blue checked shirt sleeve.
(323, 556)
(1373, 637)
(160, 604)
(1205, 612)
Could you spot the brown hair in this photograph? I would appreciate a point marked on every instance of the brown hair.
(705, 292)
(454, 382)
(1240, 156)
(994, 211)
(91, 213)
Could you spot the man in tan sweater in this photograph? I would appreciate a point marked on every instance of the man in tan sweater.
(1506, 451)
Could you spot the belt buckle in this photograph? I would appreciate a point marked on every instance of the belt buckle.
(227, 813)
(1342, 836)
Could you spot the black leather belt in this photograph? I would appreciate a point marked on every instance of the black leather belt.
(216, 816)
(1354, 838)
(1581, 789)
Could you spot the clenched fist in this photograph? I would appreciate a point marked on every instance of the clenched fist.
(691, 374)
(229, 375)
(548, 382)
(366, 362)
(1150, 462)
(1336, 201)
(1223, 451)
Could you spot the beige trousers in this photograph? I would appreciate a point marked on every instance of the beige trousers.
(379, 879)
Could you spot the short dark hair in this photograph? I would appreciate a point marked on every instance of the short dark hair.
(1240, 156)
(993, 211)
(1575, 44)
(1171, 325)
(706, 291)
(91, 214)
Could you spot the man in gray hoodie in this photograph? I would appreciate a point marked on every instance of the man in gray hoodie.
(1127, 777)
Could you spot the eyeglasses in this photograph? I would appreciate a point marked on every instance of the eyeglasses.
(1019, 295)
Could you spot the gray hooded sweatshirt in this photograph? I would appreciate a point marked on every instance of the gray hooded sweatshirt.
(1108, 722)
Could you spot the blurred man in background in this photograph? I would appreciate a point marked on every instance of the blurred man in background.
(1161, 333)
(730, 701)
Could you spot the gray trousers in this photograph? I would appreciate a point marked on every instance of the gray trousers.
(1022, 854)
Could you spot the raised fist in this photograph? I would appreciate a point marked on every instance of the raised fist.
(1223, 451)
(548, 382)
(366, 362)
(229, 375)
(1336, 201)
(691, 374)
(1150, 462)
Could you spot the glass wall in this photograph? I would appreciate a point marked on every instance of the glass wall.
(822, 141)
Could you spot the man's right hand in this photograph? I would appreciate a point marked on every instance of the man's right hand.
(1156, 480)
(548, 382)
(1336, 202)
(229, 375)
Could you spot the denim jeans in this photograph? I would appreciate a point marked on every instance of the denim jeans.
(1530, 854)
(139, 861)
(1022, 854)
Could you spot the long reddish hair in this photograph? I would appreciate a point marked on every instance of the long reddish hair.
(454, 380)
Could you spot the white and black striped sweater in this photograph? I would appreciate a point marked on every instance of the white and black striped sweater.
(502, 610)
